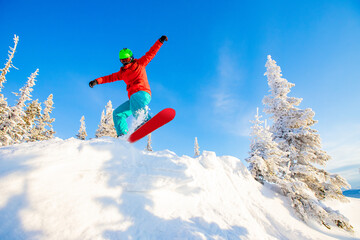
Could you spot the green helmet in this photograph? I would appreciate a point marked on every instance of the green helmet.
(125, 53)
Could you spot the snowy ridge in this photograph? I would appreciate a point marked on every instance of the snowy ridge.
(107, 189)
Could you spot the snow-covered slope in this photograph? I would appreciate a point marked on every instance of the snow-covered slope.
(107, 189)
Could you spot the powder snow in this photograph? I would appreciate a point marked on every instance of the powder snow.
(107, 189)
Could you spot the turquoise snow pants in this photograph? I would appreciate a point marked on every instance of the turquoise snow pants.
(138, 101)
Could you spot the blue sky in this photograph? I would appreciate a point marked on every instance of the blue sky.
(210, 71)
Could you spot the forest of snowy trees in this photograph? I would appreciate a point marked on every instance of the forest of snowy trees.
(29, 121)
(288, 154)
(26, 121)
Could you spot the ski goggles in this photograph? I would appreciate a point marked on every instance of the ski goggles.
(125, 60)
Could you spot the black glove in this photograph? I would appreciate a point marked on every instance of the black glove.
(93, 83)
(163, 38)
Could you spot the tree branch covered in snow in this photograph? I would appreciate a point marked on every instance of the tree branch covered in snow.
(9, 63)
(267, 161)
(308, 207)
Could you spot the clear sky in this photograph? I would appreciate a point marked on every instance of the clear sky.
(211, 71)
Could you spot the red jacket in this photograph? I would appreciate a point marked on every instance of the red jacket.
(134, 74)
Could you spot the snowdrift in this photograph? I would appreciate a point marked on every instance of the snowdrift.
(107, 189)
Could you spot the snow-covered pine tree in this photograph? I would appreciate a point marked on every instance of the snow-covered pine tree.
(106, 126)
(37, 130)
(42, 129)
(99, 132)
(148, 146)
(196, 148)
(32, 115)
(5, 110)
(266, 162)
(292, 131)
(13, 127)
(82, 131)
(49, 106)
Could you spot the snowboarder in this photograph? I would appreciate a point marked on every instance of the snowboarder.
(134, 75)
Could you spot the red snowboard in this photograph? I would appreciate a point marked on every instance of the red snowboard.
(154, 123)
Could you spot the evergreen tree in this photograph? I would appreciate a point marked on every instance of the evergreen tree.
(106, 126)
(266, 162)
(38, 129)
(293, 133)
(42, 129)
(82, 131)
(21, 129)
(196, 148)
(13, 126)
(100, 131)
(149, 147)
(32, 114)
(5, 110)
(49, 106)
(5, 127)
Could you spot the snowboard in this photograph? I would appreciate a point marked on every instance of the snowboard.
(159, 120)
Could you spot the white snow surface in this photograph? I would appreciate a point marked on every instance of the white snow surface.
(107, 189)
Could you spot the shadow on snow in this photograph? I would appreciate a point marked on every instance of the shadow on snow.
(11, 226)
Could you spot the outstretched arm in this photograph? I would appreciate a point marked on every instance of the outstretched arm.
(106, 79)
(109, 78)
(144, 60)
